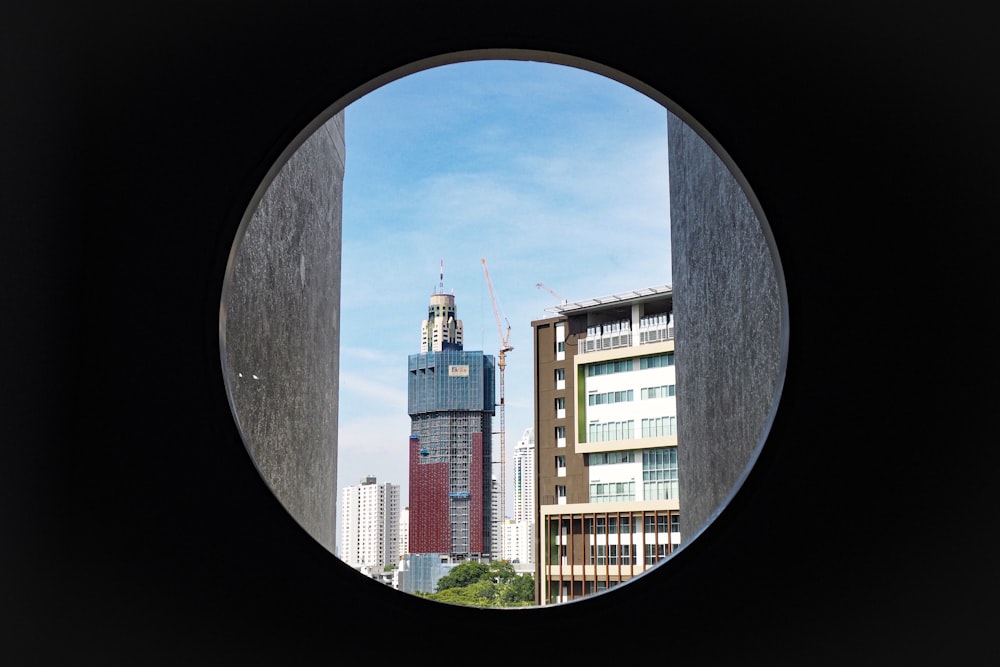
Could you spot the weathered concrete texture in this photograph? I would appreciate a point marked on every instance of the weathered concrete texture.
(282, 331)
(727, 315)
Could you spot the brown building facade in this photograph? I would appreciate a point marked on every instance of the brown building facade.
(605, 442)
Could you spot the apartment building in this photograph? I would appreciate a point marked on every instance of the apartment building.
(606, 442)
(369, 525)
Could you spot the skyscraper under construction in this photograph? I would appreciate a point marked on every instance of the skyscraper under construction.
(451, 403)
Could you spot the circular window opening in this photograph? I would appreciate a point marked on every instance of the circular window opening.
(481, 319)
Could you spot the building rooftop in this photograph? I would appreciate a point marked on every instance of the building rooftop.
(633, 296)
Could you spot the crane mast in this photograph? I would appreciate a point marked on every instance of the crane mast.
(505, 347)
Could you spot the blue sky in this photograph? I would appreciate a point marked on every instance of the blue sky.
(498, 160)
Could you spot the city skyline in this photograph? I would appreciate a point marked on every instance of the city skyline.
(497, 161)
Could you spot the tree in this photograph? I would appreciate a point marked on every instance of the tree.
(463, 574)
(520, 591)
(481, 585)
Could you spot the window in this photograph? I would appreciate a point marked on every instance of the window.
(663, 391)
(659, 426)
(628, 557)
(612, 492)
(561, 466)
(561, 407)
(560, 436)
(560, 374)
(611, 458)
(659, 474)
(610, 397)
(655, 552)
(609, 367)
(656, 361)
(561, 494)
(601, 432)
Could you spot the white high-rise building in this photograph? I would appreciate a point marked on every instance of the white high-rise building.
(369, 525)
(404, 531)
(518, 544)
(524, 476)
(496, 536)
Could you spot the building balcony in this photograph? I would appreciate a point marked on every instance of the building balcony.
(595, 342)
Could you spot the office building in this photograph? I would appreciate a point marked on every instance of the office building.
(451, 403)
(369, 525)
(606, 442)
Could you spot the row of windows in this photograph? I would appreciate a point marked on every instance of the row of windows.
(663, 391)
(613, 554)
(627, 365)
(659, 473)
(609, 554)
(610, 458)
(660, 490)
(623, 525)
(625, 430)
(609, 367)
(657, 464)
(612, 492)
(611, 397)
(611, 431)
(659, 426)
(656, 361)
(659, 458)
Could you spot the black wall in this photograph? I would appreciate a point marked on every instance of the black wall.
(136, 530)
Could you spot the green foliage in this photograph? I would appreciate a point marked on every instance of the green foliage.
(496, 584)
(462, 575)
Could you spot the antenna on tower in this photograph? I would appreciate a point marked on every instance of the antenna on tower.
(441, 275)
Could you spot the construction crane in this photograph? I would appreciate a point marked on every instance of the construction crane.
(505, 347)
(551, 291)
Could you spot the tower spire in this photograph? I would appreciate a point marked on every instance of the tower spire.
(442, 330)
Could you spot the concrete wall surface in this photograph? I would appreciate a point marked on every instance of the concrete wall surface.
(727, 317)
(281, 328)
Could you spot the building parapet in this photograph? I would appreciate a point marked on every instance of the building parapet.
(617, 335)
